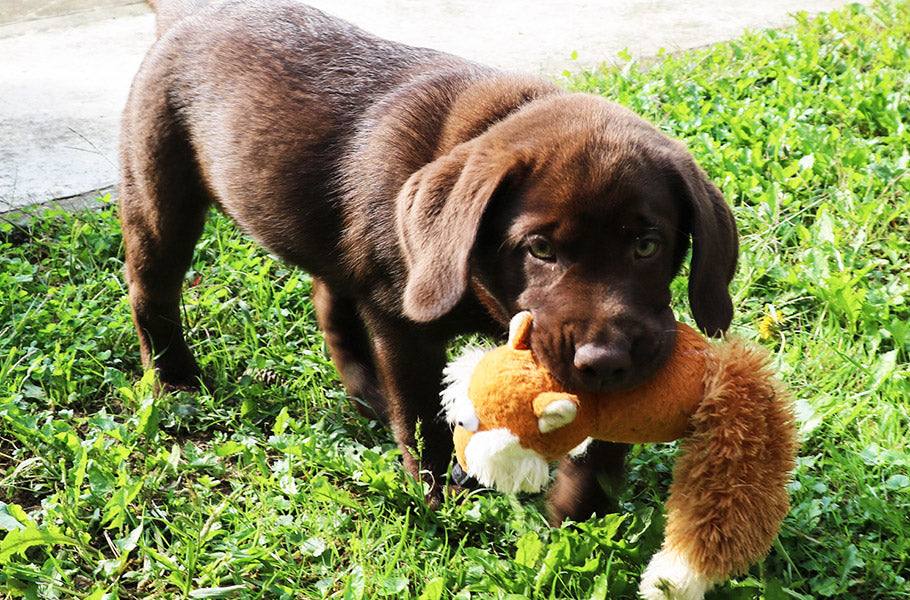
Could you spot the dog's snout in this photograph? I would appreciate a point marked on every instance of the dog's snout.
(602, 366)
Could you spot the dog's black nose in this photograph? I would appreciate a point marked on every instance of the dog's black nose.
(602, 366)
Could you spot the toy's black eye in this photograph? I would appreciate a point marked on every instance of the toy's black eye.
(541, 248)
(647, 246)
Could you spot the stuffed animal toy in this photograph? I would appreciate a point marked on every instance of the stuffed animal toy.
(511, 418)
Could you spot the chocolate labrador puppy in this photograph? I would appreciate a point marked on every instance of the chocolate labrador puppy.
(427, 196)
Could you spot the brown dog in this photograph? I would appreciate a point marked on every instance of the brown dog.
(427, 196)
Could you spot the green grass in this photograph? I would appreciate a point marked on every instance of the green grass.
(270, 486)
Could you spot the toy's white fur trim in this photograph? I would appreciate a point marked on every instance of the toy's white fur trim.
(496, 459)
(669, 576)
(456, 405)
(581, 448)
(556, 414)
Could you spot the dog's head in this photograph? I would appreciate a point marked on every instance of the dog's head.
(581, 212)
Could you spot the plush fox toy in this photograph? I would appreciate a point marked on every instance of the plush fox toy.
(511, 418)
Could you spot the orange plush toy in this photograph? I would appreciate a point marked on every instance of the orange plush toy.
(511, 419)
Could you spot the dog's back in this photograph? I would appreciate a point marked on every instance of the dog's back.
(320, 107)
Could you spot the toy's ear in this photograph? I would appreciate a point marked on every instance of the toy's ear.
(520, 330)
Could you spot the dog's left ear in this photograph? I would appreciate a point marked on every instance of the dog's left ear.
(439, 211)
(715, 248)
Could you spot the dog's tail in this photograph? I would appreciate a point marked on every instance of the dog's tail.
(170, 11)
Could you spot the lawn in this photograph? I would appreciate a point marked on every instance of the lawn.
(270, 486)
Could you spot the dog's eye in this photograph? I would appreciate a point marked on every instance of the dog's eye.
(541, 248)
(646, 247)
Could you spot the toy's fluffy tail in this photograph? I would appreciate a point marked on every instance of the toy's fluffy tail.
(729, 492)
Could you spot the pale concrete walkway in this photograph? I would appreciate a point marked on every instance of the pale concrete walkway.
(66, 65)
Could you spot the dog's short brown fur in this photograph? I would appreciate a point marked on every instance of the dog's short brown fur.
(427, 196)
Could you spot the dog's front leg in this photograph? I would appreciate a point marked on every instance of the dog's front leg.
(589, 484)
(409, 364)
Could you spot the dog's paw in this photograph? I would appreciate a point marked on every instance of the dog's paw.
(172, 384)
(670, 577)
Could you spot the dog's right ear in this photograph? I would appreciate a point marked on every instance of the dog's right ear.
(439, 212)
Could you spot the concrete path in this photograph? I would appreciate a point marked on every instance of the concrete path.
(66, 65)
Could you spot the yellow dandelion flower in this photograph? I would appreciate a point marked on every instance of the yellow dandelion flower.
(770, 323)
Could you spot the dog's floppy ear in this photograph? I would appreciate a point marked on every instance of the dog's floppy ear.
(439, 211)
(715, 248)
